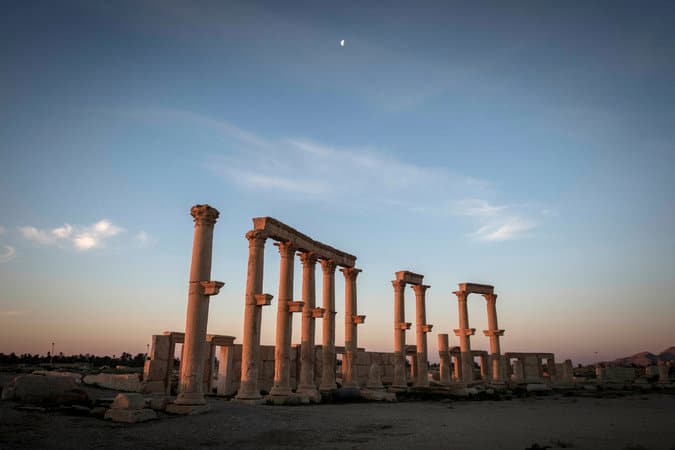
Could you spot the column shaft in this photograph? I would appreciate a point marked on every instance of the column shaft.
(328, 347)
(444, 354)
(399, 335)
(464, 333)
(282, 349)
(348, 362)
(250, 349)
(306, 384)
(422, 379)
(190, 390)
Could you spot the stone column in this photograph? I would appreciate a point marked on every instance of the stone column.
(421, 328)
(400, 326)
(518, 371)
(444, 353)
(250, 349)
(349, 379)
(225, 375)
(493, 332)
(464, 333)
(484, 371)
(282, 349)
(457, 367)
(328, 347)
(568, 371)
(306, 384)
(192, 365)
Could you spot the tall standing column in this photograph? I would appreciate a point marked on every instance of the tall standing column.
(328, 329)
(282, 349)
(444, 353)
(190, 389)
(250, 349)
(400, 326)
(464, 333)
(421, 328)
(306, 384)
(494, 333)
(348, 363)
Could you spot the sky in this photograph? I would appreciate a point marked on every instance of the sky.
(527, 145)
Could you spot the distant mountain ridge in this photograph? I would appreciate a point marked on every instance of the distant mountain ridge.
(647, 358)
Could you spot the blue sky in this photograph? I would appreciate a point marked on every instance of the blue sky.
(529, 145)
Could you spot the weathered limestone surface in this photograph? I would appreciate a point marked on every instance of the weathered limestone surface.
(44, 389)
(129, 408)
(120, 382)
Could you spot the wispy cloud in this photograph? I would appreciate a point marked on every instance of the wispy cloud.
(80, 237)
(504, 229)
(2, 230)
(145, 239)
(7, 254)
(355, 176)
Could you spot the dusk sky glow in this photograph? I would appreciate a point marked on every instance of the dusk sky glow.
(527, 145)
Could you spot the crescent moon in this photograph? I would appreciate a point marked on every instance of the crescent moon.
(342, 43)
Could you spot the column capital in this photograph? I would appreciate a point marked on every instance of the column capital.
(308, 258)
(420, 289)
(350, 273)
(464, 331)
(399, 285)
(256, 236)
(357, 320)
(328, 266)
(493, 332)
(461, 295)
(286, 248)
(204, 215)
(263, 299)
(490, 297)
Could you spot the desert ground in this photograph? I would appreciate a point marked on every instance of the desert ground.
(581, 421)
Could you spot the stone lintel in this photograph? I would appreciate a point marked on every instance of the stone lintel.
(464, 331)
(427, 328)
(475, 288)
(178, 337)
(493, 332)
(405, 325)
(318, 313)
(409, 277)
(211, 287)
(479, 353)
(220, 340)
(357, 320)
(263, 299)
(295, 306)
(280, 231)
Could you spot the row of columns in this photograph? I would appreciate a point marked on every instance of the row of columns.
(421, 330)
(286, 306)
(464, 332)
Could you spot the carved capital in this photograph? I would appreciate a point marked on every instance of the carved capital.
(350, 273)
(256, 237)
(295, 306)
(286, 249)
(491, 298)
(427, 328)
(464, 331)
(399, 285)
(404, 326)
(318, 313)
(308, 258)
(461, 295)
(328, 266)
(420, 289)
(204, 215)
(357, 320)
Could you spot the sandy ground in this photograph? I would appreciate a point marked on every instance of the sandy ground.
(631, 422)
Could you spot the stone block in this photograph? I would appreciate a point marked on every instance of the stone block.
(161, 347)
(130, 415)
(363, 359)
(186, 410)
(119, 382)
(54, 373)
(155, 370)
(157, 403)
(268, 370)
(42, 389)
(153, 387)
(128, 401)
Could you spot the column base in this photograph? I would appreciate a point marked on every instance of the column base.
(309, 391)
(328, 387)
(397, 388)
(186, 410)
(191, 398)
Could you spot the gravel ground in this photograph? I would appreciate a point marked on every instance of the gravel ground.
(635, 421)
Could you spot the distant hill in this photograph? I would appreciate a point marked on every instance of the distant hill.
(646, 358)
